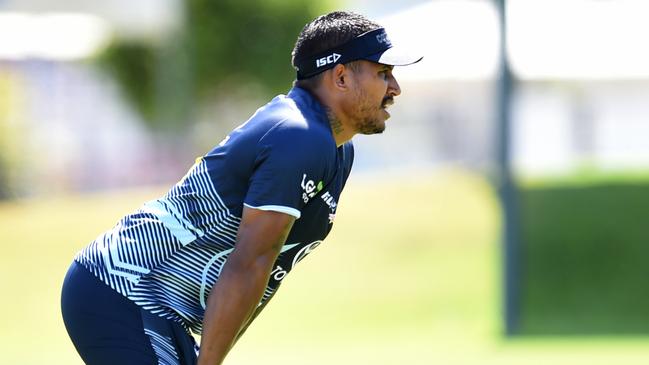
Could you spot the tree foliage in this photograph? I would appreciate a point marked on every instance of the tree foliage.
(224, 44)
(132, 65)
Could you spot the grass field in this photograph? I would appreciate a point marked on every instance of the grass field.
(409, 275)
(585, 254)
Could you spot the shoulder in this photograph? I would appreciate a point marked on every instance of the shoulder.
(298, 132)
(284, 130)
(289, 127)
(297, 144)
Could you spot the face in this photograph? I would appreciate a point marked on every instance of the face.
(373, 91)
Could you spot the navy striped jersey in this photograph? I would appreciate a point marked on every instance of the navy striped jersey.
(167, 255)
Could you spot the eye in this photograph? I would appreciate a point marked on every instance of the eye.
(383, 74)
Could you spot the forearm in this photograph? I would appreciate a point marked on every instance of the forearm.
(241, 284)
(230, 306)
(254, 315)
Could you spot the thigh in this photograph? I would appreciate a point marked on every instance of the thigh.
(107, 328)
(170, 342)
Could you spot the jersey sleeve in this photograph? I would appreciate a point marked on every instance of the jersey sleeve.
(290, 169)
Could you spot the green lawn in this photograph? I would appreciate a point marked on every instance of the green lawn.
(585, 250)
(409, 275)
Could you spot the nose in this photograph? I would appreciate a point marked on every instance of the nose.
(393, 86)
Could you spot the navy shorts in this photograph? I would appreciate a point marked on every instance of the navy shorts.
(108, 328)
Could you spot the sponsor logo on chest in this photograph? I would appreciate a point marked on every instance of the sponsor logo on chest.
(310, 189)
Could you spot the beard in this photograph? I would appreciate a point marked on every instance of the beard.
(370, 126)
(370, 121)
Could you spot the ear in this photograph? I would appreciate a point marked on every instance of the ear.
(341, 78)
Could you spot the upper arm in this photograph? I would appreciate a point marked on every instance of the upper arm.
(292, 164)
(261, 236)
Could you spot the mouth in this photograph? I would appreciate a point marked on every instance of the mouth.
(387, 102)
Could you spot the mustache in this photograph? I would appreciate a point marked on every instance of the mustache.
(387, 101)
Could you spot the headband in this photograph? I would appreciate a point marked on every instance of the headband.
(366, 45)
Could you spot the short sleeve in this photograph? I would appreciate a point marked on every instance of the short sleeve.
(290, 169)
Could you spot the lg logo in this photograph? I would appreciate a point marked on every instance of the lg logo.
(310, 188)
(332, 58)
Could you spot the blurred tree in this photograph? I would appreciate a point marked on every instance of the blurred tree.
(132, 64)
(10, 135)
(224, 45)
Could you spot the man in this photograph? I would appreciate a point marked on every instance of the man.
(208, 256)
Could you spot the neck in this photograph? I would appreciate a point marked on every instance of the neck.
(341, 133)
(341, 127)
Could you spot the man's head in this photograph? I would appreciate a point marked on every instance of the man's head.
(347, 60)
(324, 33)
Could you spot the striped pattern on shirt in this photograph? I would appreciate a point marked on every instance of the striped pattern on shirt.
(167, 255)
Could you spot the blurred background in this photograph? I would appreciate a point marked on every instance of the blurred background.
(500, 219)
